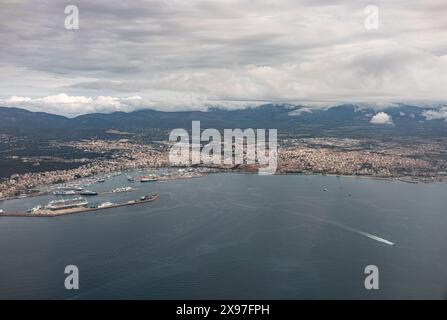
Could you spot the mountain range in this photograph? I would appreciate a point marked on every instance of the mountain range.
(342, 121)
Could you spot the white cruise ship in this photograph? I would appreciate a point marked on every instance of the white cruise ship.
(66, 204)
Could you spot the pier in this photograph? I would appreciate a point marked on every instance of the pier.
(62, 212)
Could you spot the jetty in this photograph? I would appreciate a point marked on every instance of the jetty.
(62, 212)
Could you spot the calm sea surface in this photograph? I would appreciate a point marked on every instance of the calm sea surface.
(235, 236)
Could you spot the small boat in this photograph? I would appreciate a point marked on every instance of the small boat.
(325, 190)
(88, 193)
(131, 179)
(123, 189)
(149, 198)
(148, 179)
(106, 204)
(1, 211)
(101, 180)
(34, 210)
(408, 181)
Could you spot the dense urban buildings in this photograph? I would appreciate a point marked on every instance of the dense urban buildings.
(421, 161)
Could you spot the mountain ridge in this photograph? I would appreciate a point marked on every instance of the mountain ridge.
(344, 120)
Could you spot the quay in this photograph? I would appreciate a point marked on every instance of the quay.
(62, 212)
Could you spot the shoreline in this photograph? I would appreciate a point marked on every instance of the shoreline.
(48, 192)
(404, 179)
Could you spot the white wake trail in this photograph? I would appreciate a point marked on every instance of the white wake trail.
(371, 236)
(366, 234)
(362, 233)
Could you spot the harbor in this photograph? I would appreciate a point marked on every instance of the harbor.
(133, 177)
(48, 211)
(121, 189)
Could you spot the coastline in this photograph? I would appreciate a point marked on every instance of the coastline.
(187, 175)
(404, 179)
(47, 192)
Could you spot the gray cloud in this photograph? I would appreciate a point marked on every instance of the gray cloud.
(192, 54)
(441, 113)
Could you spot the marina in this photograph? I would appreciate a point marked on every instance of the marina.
(116, 189)
(94, 193)
(90, 194)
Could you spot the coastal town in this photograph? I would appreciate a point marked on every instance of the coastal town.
(424, 161)
(125, 156)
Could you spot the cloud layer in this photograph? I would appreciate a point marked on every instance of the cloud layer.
(176, 54)
(71, 106)
(441, 113)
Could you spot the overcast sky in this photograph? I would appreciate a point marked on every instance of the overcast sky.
(178, 54)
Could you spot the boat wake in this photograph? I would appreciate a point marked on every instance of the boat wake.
(371, 236)
(362, 233)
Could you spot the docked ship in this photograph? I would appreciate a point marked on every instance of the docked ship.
(150, 198)
(34, 209)
(148, 179)
(123, 189)
(88, 193)
(106, 205)
(66, 204)
(64, 192)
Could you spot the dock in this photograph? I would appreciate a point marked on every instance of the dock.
(62, 212)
